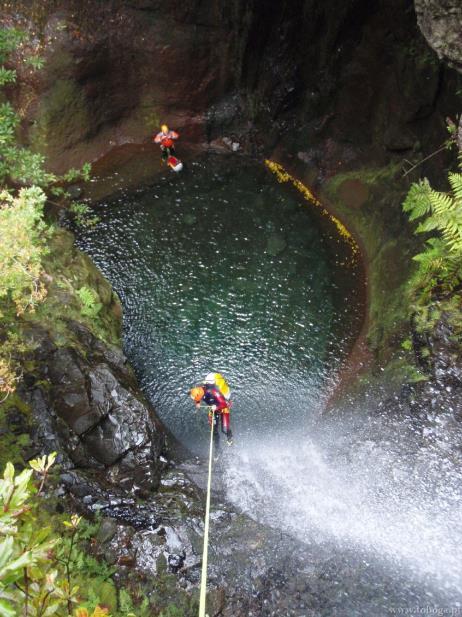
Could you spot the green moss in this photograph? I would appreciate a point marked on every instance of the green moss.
(15, 417)
(70, 271)
(370, 176)
(169, 601)
(387, 243)
(62, 120)
(147, 112)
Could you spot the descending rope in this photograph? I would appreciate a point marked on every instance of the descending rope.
(205, 551)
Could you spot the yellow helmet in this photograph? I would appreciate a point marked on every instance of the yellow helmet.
(197, 394)
(164, 128)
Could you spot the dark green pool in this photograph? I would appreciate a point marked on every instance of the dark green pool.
(221, 268)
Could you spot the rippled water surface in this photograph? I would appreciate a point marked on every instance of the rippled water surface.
(221, 268)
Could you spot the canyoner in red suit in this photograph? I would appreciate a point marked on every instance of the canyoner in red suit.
(218, 406)
(165, 138)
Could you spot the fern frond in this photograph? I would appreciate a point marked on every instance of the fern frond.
(429, 262)
(429, 224)
(455, 180)
(451, 229)
(441, 203)
(454, 267)
(440, 264)
(437, 244)
(417, 201)
(455, 245)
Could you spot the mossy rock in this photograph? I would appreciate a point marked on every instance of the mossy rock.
(63, 118)
(353, 192)
(15, 416)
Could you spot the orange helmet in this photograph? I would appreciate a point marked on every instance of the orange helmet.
(197, 394)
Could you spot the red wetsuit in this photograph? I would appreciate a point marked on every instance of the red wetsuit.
(213, 396)
(166, 139)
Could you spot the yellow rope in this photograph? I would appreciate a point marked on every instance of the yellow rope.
(205, 553)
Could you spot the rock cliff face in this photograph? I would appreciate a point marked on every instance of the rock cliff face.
(115, 70)
(78, 392)
(334, 73)
(440, 22)
(92, 413)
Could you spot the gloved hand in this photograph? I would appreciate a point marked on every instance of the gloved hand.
(213, 407)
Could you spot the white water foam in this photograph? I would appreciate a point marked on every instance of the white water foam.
(396, 499)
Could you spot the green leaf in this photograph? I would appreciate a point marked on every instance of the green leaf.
(8, 474)
(13, 570)
(36, 62)
(455, 180)
(7, 76)
(6, 550)
(9, 120)
(7, 609)
(52, 609)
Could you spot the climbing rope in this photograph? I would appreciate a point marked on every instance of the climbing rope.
(205, 551)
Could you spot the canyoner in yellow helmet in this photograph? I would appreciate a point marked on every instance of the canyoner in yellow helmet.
(215, 393)
(217, 379)
(165, 138)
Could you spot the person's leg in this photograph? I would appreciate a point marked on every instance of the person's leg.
(164, 153)
(225, 424)
(216, 434)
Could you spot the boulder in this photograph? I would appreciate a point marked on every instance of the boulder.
(439, 21)
(92, 413)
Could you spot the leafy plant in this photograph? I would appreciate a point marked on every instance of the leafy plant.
(406, 345)
(440, 264)
(78, 174)
(10, 39)
(34, 580)
(7, 76)
(17, 163)
(83, 215)
(24, 235)
(89, 300)
(435, 287)
(36, 62)
(442, 211)
(22, 246)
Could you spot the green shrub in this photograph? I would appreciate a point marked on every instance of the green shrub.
(83, 215)
(39, 566)
(23, 236)
(23, 233)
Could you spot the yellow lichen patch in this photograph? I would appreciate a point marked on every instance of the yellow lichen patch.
(283, 176)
